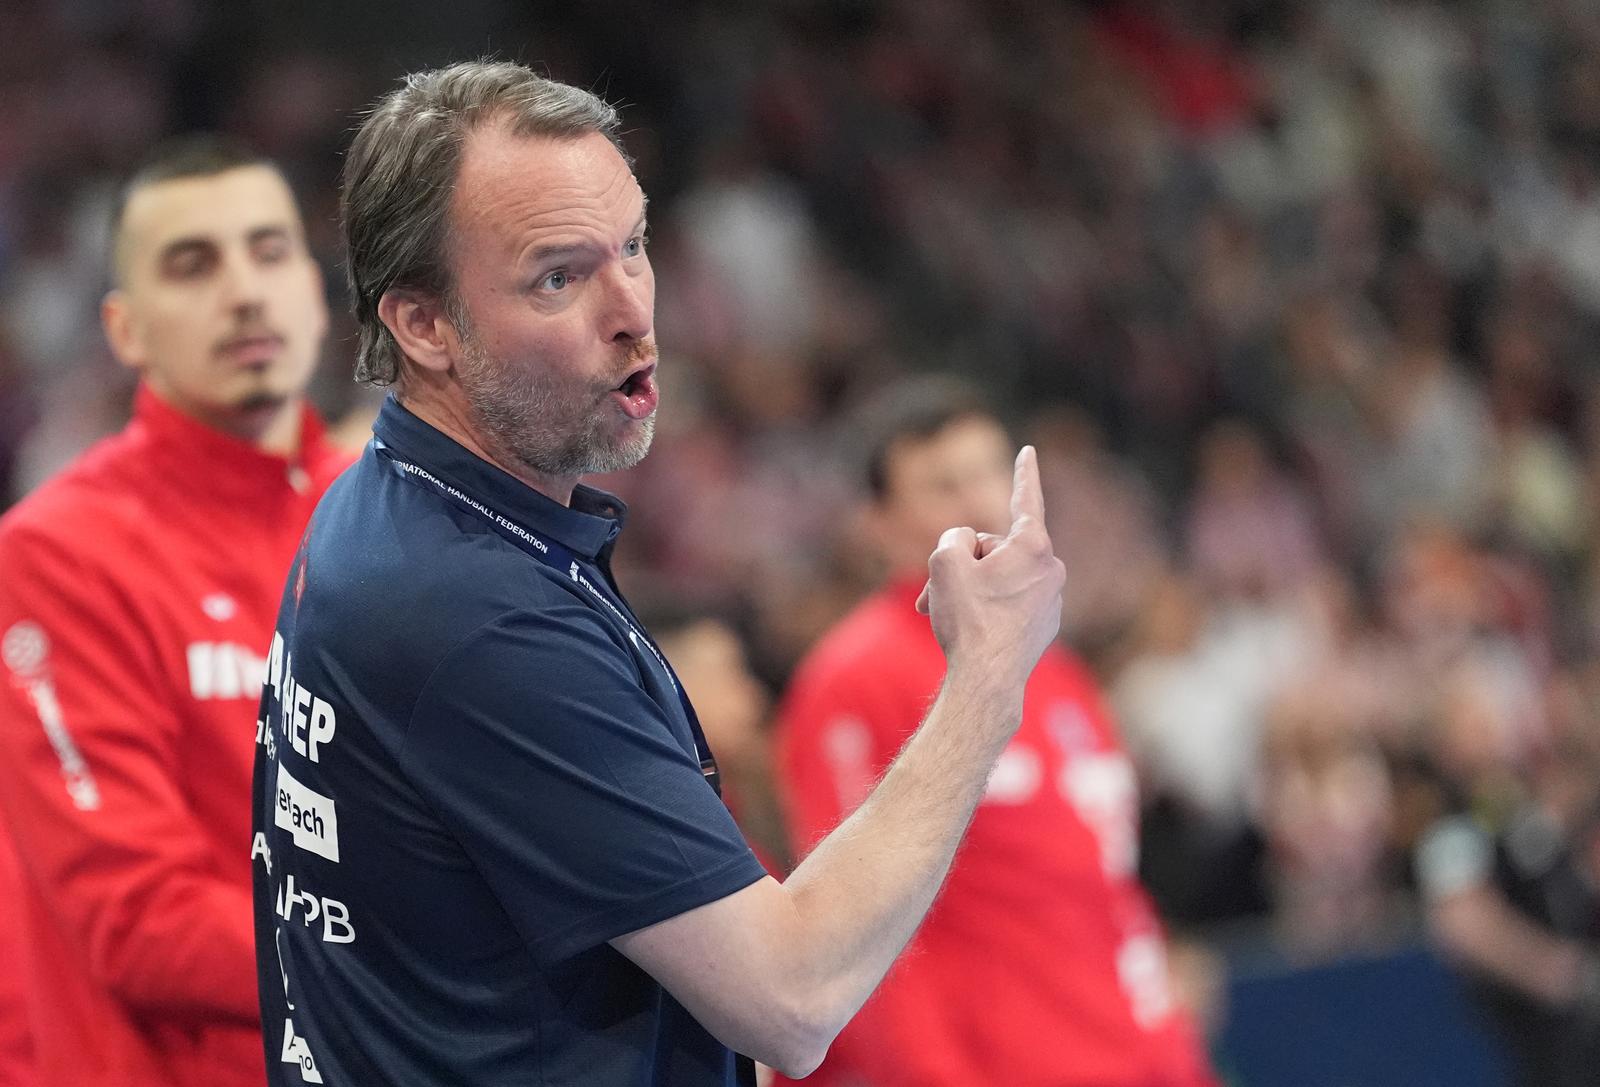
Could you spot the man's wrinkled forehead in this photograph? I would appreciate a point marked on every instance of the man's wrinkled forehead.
(204, 208)
(508, 181)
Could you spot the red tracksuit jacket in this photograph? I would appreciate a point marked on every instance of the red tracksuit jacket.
(1042, 963)
(138, 590)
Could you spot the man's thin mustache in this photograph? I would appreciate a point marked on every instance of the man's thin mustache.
(642, 352)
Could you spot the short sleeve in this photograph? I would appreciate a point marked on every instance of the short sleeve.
(537, 745)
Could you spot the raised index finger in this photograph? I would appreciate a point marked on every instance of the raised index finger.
(1027, 498)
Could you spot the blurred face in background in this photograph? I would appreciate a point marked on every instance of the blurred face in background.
(730, 702)
(219, 304)
(960, 475)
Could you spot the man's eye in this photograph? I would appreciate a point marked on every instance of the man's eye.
(188, 267)
(556, 281)
(635, 245)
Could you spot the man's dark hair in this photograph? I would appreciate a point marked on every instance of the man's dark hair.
(910, 409)
(199, 154)
(401, 172)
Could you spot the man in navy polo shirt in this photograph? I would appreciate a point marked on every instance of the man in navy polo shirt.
(489, 849)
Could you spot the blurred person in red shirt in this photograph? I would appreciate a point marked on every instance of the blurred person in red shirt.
(16, 1044)
(1042, 961)
(140, 588)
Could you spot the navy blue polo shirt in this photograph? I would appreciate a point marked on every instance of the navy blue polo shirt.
(474, 770)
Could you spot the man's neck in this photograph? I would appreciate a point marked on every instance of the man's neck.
(449, 416)
(278, 431)
(273, 428)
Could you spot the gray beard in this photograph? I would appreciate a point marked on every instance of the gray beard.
(528, 419)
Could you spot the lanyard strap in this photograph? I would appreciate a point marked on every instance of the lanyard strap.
(558, 557)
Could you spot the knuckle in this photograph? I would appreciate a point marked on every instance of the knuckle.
(943, 555)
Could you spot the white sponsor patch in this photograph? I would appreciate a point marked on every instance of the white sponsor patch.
(220, 606)
(1105, 793)
(224, 670)
(260, 848)
(335, 915)
(25, 648)
(1016, 776)
(847, 746)
(1143, 973)
(296, 1051)
(308, 815)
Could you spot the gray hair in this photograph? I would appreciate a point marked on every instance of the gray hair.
(401, 172)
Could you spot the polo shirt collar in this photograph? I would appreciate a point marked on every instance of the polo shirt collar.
(586, 528)
(228, 465)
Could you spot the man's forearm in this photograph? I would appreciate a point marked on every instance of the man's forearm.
(861, 894)
(775, 971)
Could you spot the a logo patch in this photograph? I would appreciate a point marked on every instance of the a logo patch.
(25, 648)
(296, 1051)
(308, 815)
(219, 606)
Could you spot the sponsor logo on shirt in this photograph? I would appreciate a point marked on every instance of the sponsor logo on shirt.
(223, 670)
(297, 1051)
(1143, 974)
(847, 746)
(266, 738)
(306, 721)
(1105, 793)
(260, 848)
(307, 815)
(219, 606)
(335, 915)
(1016, 776)
(283, 969)
(25, 649)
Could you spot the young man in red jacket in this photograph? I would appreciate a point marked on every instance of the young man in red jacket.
(137, 602)
(1042, 963)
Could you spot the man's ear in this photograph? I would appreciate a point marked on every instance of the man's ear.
(122, 330)
(419, 324)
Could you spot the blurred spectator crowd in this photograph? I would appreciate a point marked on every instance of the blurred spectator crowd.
(1297, 300)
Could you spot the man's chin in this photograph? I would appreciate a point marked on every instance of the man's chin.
(633, 449)
(257, 403)
(591, 458)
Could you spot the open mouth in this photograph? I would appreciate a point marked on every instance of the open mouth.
(638, 393)
(636, 380)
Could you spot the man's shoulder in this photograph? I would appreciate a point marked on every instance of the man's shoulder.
(94, 500)
(881, 653)
(878, 632)
(401, 541)
(391, 567)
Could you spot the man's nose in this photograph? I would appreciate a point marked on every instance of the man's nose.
(630, 298)
(243, 284)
